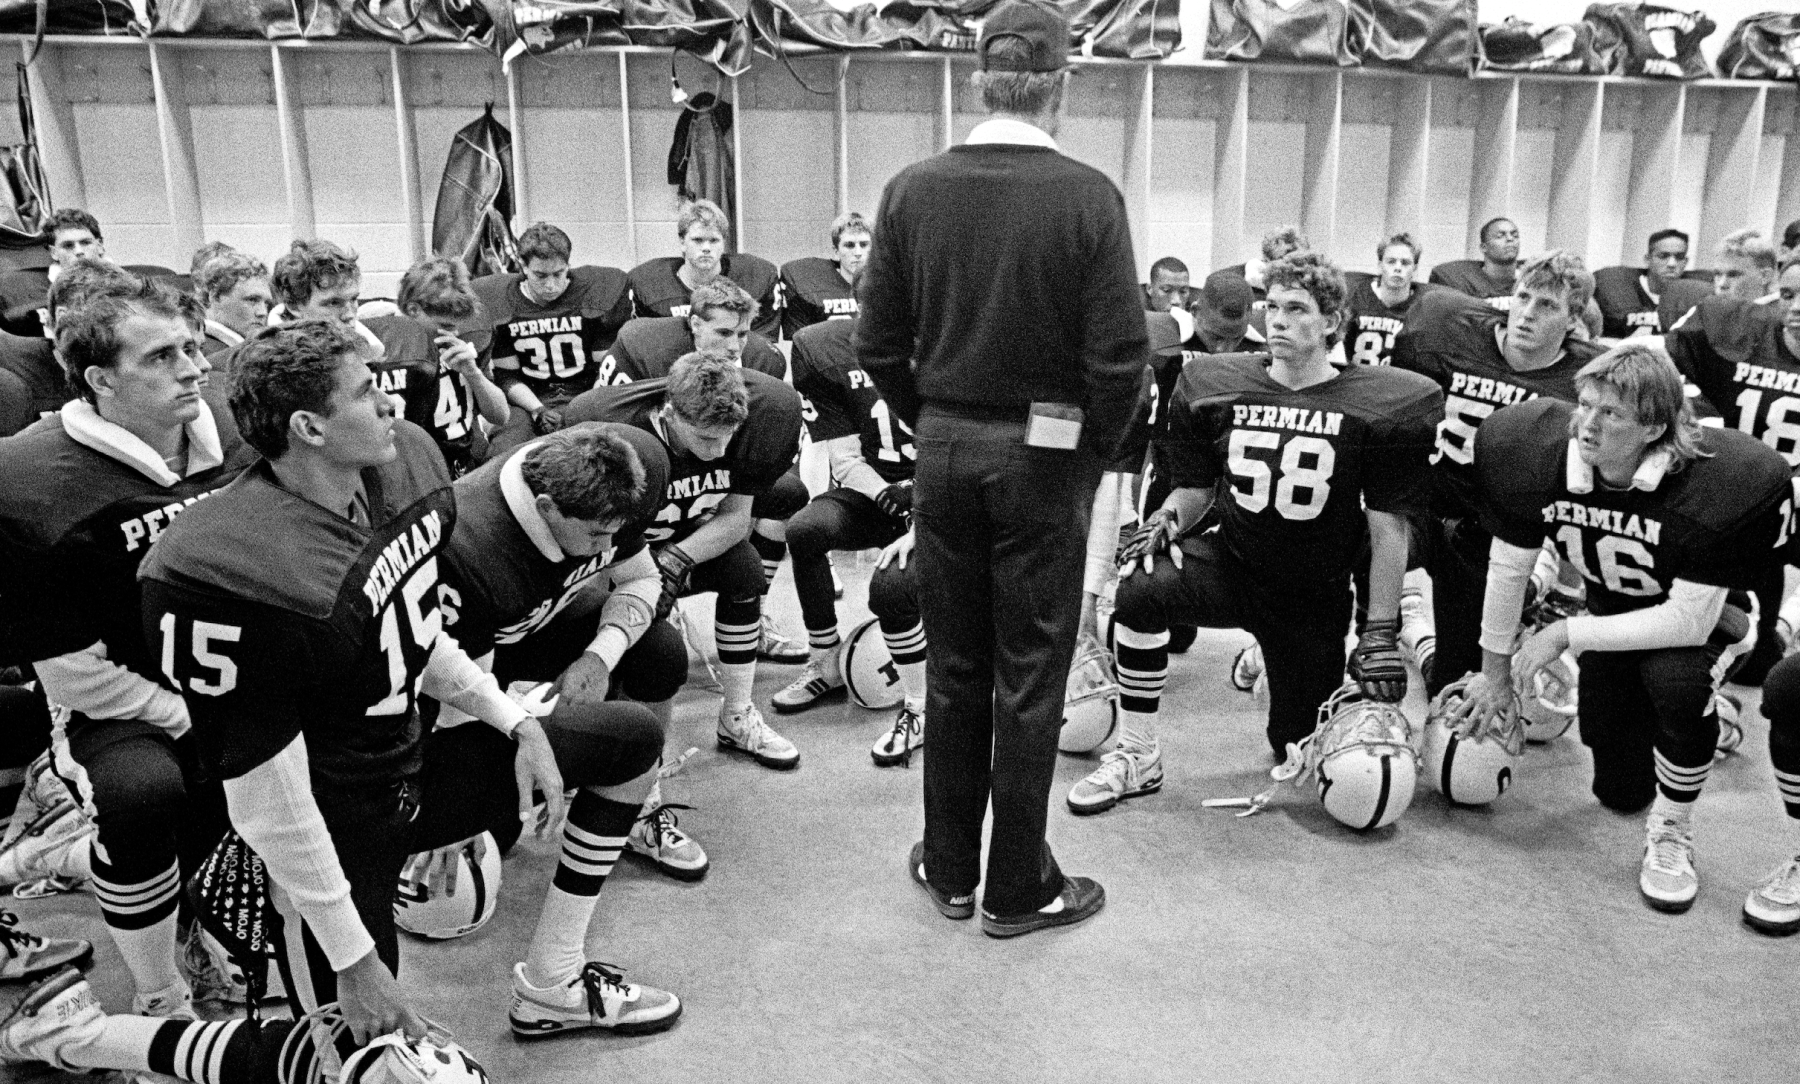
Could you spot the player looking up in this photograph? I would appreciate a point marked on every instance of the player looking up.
(1648, 302)
(1489, 279)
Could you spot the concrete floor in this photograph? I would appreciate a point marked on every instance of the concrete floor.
(1458, 945)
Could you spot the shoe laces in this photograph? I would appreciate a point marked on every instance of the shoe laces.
(1784, 884)
(811, 672)
(755, 728)
(14, 940)
(1669, 847)
(906, 724)
(596, 979)
(660, 824)
(1119, 765)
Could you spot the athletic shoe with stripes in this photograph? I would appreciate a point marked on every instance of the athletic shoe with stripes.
(1773, 906)
(1667, 878)
(25, 955)
(819, 683)
(1126, 772)
(597, 997)
(896, 746)
(745, 732)
(56, 1014)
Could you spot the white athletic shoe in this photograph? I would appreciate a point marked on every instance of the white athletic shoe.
(1126, 772)
(1418, 636)
(598, 997)
(1667, 879)
(1773, 906)
(656, 838)
(56, 1015)
(1730, 711)
(896, 745)
(745, 732)
(174, 1002)
(1247, 668)
(25, 955)
(776, 648)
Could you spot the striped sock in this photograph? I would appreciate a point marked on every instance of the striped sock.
(737, 631)
(1142, 660)
(772, 551)
(906, 647)
(141, 916)
(593, 836)
(1681, 783)
(823, 641)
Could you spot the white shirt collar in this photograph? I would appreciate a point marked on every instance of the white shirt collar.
(222, 333)
(1008, 130)
(1769, 299)
(87, 428)
(523, 503)
(1579, 477)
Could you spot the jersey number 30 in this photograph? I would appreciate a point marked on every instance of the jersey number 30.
(1305, 466)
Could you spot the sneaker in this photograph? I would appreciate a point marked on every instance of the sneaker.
(25, 955)
(777, 648)
(57, 1014)
(745, 732)
(1667, 879)
(1123, 773)
(174, 1002)
(657, 839)
(1081, 898)
(207, 967)
(1418, 637)
(896, 746)
(56, 841)
(956, 907)
(1774, 907)
(819, 683)
(1246, 668)
(598, 997)
(1729, 711)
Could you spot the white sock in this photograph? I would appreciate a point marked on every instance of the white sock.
(124, 1043)
(1137, 730)
(559, 946)
(735, 681)
(1680, 812)
(912, 681)
(917, 704)
(150, 955)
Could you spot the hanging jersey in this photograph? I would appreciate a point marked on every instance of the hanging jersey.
(761, 452)
(555, 348)
(657, 290)
(1736, 354)
(1371, 324)
(1627, 309)
(649, 347)
(813, 290)
(1713, 522)
(499, 587)
(277, 618)
(1471, 279)
(1295, 469)
(839, 400)
(74, 524)
(1454, 340)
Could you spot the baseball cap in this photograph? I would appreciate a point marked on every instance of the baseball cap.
(1165, 333)
(1227, 294)
(1043, 30)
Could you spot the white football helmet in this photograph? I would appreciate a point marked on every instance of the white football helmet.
(309, 1055)
(1555, 701)
(1091, 703)
(1475, 770)
(1364, 758)
(869, 671)
(442, 916)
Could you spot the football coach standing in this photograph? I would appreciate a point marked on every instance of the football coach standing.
(1001, 322)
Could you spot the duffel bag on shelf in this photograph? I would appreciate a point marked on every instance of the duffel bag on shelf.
(1643, 39)
(1433, 37)
(1294, 31)
(1765, 46)
(1519, 46)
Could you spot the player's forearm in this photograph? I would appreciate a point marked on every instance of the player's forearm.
(1685, 619)
(1189, 505)
(1389, 540)
(273, 808)
(720, 533)
(850, 470)
(1103, 534)
(628, 610)
(452, 678)
(517, 391)
(1503, 599)
(92, 684)
(490, 401)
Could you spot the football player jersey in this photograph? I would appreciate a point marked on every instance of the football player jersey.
(1735, 353)
(813, 290)
(647, 348)
(74, 523)
(1628, 309)
(1470, 277)
(1454, 340)
(657, 290)
(276, 618)
(1370, 324)
(1297, 468)
(839, 400)
(34, 362)
(1713, 522)
(499, 587)
(437, 400)
(556, 348)
(762, 451)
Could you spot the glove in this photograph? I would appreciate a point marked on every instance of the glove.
(896, 500)
(676, 566)
(545, 421)
(1377, 664)
(1156, 535)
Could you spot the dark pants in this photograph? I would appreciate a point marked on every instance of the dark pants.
(784, 497)
(1455, 553)
(1301, 628)
(1002, 539)
(839, 519)
(1781, 706)
(465, 788)
(651, 670)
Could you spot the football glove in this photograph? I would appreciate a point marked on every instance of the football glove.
(545, 421)
(1155, 536)
(1377, 664)
(675, 566)
(896, 500)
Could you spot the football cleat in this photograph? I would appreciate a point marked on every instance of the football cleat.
(57, 842)
(1667, 878)
(897, 745)
(1090, 701)
(1123, 773)
(819, 683)
(776, 648)
(745, 732)
(1247, 668)
(54, 1017)
(1773, 906)
(25, 955)
(657, 838)
(598, 997)
(1475, 768)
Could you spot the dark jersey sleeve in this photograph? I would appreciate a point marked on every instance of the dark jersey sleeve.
(1130, 457)
(1398, 464)
(765, 447)
(826, 405)
(1190, 451)
(1516, 449)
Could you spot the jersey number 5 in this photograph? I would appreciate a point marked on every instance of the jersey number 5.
(1297, 475)
(219, 673)
(1456, 433)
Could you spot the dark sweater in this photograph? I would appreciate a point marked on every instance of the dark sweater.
(1003, 275)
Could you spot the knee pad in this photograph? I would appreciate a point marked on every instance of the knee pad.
(1781, 693)
(893, 596)
(604, 743)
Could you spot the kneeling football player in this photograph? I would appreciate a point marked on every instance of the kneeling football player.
(1313, 456)
(1662, 519)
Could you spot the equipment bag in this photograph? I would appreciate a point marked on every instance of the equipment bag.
(1642, 39)
(1765, 46)
(472, 220)
(1297, 31)
(1435, 37)
(1518, 46)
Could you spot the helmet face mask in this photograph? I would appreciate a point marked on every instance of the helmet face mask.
(1365, 757)
(309, 1055)
(1472, 770)
(1090, 702)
